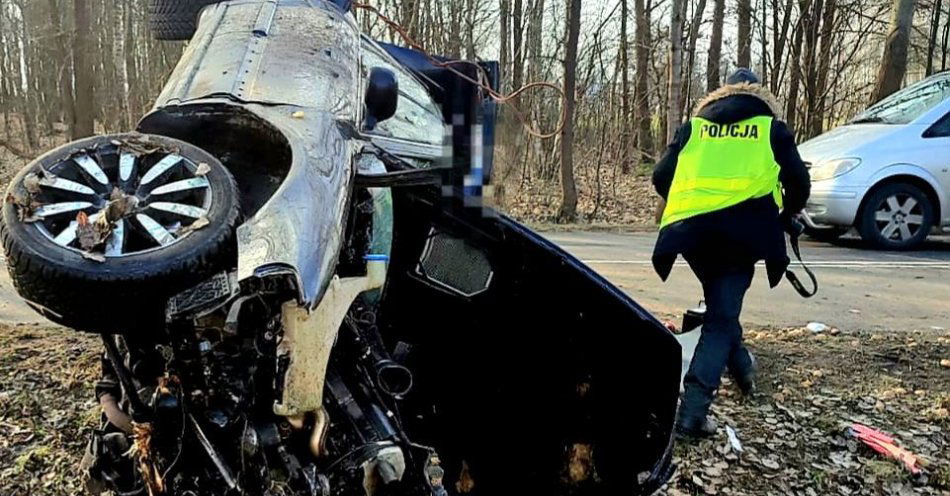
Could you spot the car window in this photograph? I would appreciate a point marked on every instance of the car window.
(940, 129)
(909, 103)
(417, 117)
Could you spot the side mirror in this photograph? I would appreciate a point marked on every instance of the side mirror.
(382, 94)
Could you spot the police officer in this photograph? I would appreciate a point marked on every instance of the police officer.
(732, 179)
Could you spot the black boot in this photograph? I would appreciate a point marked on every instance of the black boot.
(688, 429)
(746, 379)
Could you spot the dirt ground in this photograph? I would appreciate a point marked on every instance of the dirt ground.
(811, 388)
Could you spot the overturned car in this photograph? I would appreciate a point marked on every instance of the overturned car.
(299, 292)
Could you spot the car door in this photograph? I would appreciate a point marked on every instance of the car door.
(936, 142)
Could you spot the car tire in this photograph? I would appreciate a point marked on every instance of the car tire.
(826, 234)
(175, 19)
(896, 216)
(177, 231)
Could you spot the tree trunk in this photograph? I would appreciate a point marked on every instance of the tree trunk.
(83, 124)
(28, 108)
(568, 211)
(121, 71)
(625, 121)
(5, 83)
(517, 45)
(471, 12)
(674, 102)
(642, 86)
(894, 62)
(714, 59)
(810, 76)
(691, 47)
(780, 38)
(504, 33)
(534, 56)
(934, 27)
(945, 44)
(744, 11)
(136, 98)
(763, 75)
(794, 74)
(816, 113)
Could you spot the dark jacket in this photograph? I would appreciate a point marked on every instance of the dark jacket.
(752, 230)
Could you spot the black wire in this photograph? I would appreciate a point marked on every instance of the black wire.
(139, 410)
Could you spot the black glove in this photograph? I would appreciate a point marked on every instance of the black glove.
(791, 224)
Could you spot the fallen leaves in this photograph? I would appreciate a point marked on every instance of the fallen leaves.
(199, 223)
(119, 206)
(625, 199)
(936, 413)
(893, 393)
(92, 235)
(793, 439)
(25, 198)
(31, 183)
(793, 434)
(46, 408)
(140, 145)
(580, 462)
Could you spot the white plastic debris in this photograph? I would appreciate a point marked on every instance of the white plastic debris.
(816, 327)
(688, 342)
(733, 439)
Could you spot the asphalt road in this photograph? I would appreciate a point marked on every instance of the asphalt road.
(860, 289)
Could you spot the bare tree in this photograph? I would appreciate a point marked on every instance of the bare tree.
(795, 73)
(82, 124)
(779, 40)
(628, 91)
(517, 46)
(674, 91)
(934, 27)
(7, 83)
(894, 62)
(624, 89)
(945, 45)
(714, 57)
(568, 211)
(744, 42)
(694, 25)
(764, 39)
(504, 34)
(642, 86)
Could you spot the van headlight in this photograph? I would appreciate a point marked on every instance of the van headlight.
(833, 168)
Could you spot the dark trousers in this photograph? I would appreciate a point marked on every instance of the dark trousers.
(725, 283)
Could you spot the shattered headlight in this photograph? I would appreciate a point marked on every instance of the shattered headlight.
(833, 168)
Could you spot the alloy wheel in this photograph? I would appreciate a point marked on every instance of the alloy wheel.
(149, 200)
(899, 217)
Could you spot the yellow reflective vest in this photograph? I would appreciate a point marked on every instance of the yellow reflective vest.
(722, 165)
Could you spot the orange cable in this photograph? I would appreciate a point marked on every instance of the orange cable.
(498, 97)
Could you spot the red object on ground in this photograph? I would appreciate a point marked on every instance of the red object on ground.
(884, 444)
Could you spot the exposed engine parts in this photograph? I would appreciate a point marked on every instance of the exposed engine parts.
(224, 404)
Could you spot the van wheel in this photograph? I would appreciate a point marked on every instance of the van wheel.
(897, 216)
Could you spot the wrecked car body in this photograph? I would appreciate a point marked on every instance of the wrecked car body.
(367, 327)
